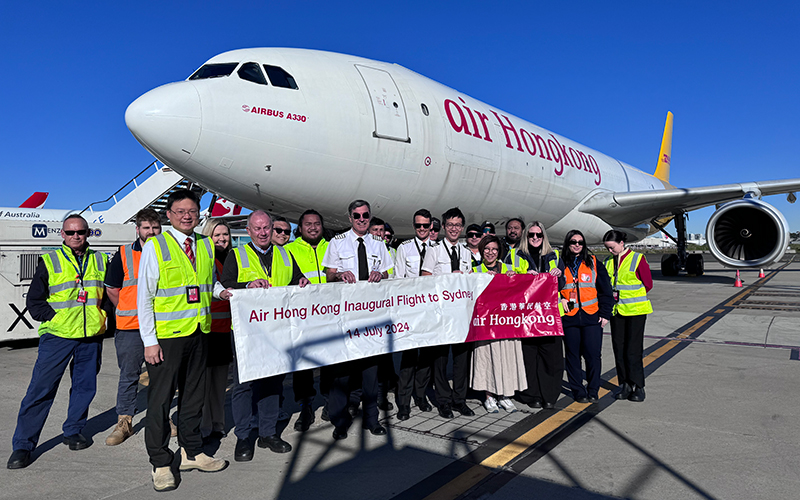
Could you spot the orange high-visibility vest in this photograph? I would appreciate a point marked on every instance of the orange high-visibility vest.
(220, 309)
(127, 318)
(585, 285)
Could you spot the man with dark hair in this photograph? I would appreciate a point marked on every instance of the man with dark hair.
(281, 231)
(436, 226)
(66, 296)
(473, 239)
(308, 249)
(415, 364)
(450, 256)
(121, 287)
(175, 287)
(356, 256)
(510, 242)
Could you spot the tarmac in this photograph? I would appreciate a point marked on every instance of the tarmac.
(720, 421)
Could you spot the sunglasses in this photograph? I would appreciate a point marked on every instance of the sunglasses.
(79, 232)
(357, 216)
(576, 242)
(534, 235)
(418, 225)
(474, 235)
(280, 230)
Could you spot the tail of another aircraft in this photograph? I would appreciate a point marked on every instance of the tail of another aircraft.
(662, 168)
(36, 200)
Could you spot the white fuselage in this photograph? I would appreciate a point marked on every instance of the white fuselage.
(357, 128)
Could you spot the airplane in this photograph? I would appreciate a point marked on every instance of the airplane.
(34, 210)
(36, 200)
(288, 129)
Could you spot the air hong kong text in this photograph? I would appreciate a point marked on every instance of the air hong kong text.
(395, 301)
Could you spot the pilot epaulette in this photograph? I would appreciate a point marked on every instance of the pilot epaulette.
(340, 236)
(433, 244)
(376, 238)
(407, 242)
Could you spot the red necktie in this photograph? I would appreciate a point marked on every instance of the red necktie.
(187, 247)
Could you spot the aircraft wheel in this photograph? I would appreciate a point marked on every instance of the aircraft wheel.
(670, 265)
(694, 264)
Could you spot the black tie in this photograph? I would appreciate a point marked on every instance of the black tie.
(422, 257)
(363, 270)
(453, 259)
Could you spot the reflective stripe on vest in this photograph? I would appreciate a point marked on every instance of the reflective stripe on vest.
(309, 259)
(220, 309)
(482, 268)
(75, 319)
(587, 292)
(251, 269)
(127, 315)
(174, 315)
(633, 299)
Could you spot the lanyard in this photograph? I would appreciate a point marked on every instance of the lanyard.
(81, 271)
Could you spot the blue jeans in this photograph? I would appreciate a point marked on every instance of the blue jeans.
(55, 353)
(130, 357)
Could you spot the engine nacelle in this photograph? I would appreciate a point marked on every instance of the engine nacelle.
(747, 233)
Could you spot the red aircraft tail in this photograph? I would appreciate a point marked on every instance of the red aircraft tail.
(224, 207)
(36, 200)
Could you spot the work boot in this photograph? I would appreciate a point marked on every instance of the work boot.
(163, 479)
(122, 431)
(306, 417)
(173, 429)
(202, 462)
(144, 378)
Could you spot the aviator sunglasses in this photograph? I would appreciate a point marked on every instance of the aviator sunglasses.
(357, 216)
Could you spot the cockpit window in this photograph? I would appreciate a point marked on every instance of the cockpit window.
(252, 73)
(279, 77)
(214, 71)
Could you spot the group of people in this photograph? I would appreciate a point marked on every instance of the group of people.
(170, 293)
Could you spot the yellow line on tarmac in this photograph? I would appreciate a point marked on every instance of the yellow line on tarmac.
(459, 485)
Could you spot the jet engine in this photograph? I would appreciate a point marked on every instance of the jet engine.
(747, 233)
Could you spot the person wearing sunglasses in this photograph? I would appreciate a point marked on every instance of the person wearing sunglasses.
(415, 364)
(66, 296)
(355, 256)
(631, 280)
(281, 231)
(121, 287)
(388, 237)
(436, 227)
(586, 302)
(472, 240)
(544, 356)
(498, 368)
(450, 256)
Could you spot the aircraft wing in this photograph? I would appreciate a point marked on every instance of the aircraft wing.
(629, 209)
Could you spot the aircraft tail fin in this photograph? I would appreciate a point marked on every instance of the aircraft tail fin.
(36, 200)
(224, 207)
(662, 168)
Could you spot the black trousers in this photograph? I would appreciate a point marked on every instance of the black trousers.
(415, 374)
(544, 369)
(341, 386)
(184, 369)
(583, 342)
(462, 354)
(303, 384)
(627, 339)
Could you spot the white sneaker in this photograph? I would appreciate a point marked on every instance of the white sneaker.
(507, 405)
(163, 479)
(282, 415)
(490, 404)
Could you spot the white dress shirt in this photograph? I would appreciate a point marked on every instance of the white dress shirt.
(148, 284)
(342, 253)
(407, 262)
(437, 258)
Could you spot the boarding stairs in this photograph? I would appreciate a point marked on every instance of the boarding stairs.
(146, 189)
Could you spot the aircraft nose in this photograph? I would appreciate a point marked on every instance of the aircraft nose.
(167, 121)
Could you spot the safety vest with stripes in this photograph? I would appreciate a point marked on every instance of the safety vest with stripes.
(127, 316)
(482, 268)
(633, 299)
(220, 308)
(586, 290)
(250, 268)
(520, 265)
(75, 319)
(309, 259)
(174, 315)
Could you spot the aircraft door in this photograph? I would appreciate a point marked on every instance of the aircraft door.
(387, 104)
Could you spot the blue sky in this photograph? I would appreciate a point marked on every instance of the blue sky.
(603, 74)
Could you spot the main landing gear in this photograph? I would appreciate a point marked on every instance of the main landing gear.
(673, 263)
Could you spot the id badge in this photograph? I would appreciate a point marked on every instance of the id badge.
(615, 294)
(573, 296)
(82, 296)
(192, 294)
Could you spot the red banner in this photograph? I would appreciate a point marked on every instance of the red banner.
(519, 306)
